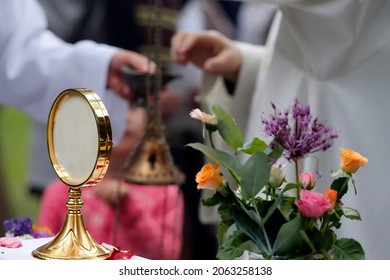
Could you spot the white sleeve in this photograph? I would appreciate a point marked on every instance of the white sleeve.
(35, 65)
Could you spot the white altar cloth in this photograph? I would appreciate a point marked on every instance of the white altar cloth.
(28, 246)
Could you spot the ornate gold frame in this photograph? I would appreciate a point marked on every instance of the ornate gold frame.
(74, 242)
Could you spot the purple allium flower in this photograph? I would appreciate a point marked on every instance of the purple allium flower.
(18, 226)
(298, 132)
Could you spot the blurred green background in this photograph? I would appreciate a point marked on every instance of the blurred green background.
(14, 141)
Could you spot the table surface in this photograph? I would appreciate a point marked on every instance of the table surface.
(28, 246)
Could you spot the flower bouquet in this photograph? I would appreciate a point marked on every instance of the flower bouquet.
(260, 211)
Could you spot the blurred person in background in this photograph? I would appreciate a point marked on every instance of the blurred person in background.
(35, 66)
(332, 56)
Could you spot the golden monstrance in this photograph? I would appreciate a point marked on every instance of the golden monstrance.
(79, 142)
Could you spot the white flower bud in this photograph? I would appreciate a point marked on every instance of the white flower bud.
(277, 175)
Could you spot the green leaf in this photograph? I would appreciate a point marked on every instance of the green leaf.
(273, 207)
(347, 249)
(220, 157)
(276, 151)
(227, 128)
(224, 210)
(222, 230)
(337, 213)
(286, 208)
(288, 236)
(323, 240)
(212, 201)
(341, 186)
(250, 211)
(278, 201)
(307, 240)
(253, 230)
(351, 213)
(234, 246)
(256, 145)
(255, 175)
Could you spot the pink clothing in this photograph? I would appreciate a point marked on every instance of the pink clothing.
(151, 216)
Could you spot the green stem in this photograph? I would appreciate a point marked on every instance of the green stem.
(211, 138)
(264, 232)
(324, 225)
(266, 238)
(326, 255)
(297, 177)
(234, 175)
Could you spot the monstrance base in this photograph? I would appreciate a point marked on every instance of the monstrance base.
(73, 242)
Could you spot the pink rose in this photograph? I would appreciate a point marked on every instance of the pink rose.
(308, 180)
(312, 204)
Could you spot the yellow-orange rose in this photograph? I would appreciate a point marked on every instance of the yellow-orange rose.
(351, 161)
(331, 196)
(209, 177)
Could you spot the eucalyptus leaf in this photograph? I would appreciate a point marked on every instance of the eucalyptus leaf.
(220, 157)
(288, 236)
(255, 175)
(256, 145)
(250, 211)
(273, 207)
(278, 201)
(227, 128)
(286, 209)
(253, 230)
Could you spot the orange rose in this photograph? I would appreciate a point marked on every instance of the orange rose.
(351, 161)
(331, 196)
(209, 177)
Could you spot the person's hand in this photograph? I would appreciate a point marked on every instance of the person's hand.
(209, 50)
(122, 58)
